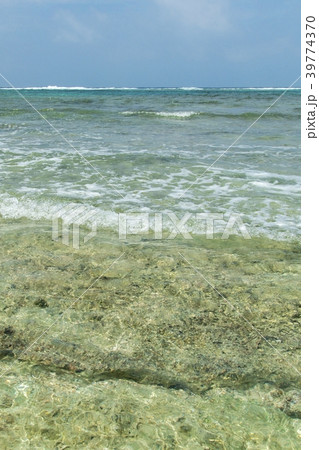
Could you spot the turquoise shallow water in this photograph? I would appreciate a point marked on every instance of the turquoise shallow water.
(149, 146)
(142, 343)
(148, 345)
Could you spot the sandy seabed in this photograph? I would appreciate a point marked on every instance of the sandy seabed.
(176, 345)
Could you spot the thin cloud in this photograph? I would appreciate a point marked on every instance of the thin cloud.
(209, 15)
(74, 30)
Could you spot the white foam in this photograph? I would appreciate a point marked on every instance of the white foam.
(24, 207)
(191, 88)
(182, 114)
(287, 188)
(175, 114)
(260, 89)
(264, 220)
(68, 88)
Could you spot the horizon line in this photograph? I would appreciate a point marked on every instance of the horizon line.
(55, 87)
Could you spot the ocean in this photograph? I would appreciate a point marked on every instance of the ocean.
(150, 146)
(165, 337)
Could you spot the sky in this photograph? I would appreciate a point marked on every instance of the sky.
(150, 43)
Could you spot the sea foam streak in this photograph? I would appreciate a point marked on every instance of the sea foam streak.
(174, 115)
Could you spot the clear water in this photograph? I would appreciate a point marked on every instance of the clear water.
(143, 343)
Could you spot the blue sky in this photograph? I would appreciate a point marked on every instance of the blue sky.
(150, 42)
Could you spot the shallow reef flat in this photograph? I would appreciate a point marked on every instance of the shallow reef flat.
(148, 344)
